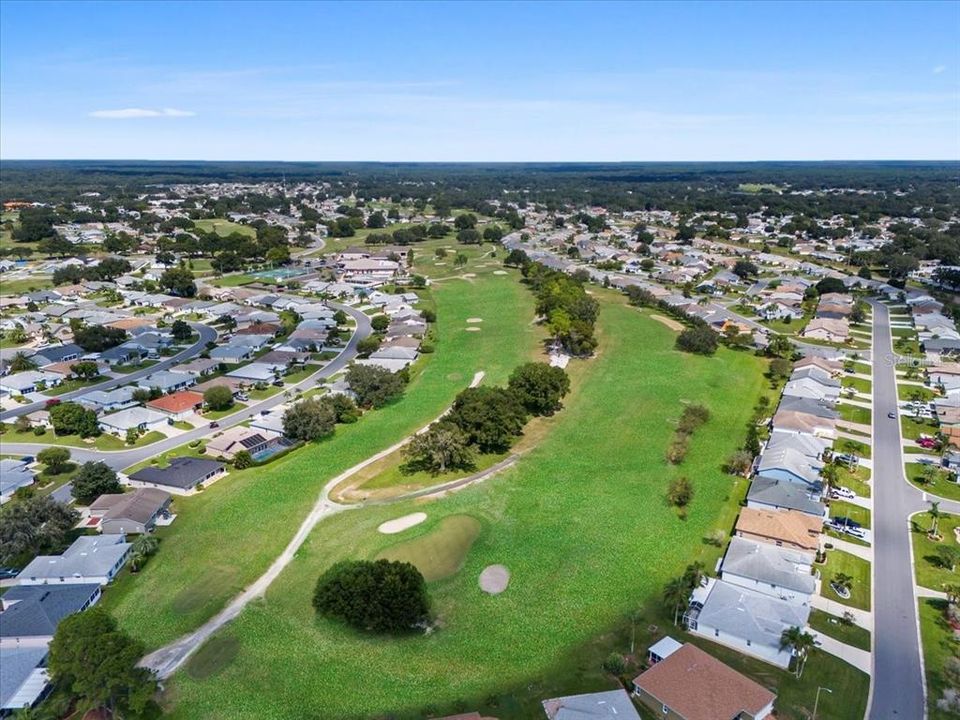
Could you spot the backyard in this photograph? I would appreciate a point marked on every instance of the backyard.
(562, 520)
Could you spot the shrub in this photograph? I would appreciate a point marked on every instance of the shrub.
(680, 492)
(698, 340)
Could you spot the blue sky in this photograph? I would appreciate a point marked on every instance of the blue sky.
(480, 82)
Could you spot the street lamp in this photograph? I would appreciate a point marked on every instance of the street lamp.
(817, 701)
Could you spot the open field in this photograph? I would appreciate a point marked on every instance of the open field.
(227, 535)
(225, 227)
(930, 573)
(583, 528)
(938, 645)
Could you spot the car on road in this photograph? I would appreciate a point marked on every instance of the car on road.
(842, 493)
(214, 424)
(51, 402)
(892, 415)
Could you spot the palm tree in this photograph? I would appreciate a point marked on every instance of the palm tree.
(842, 581)
(830, 475)
(952, 591)
(143, 547)
(694, 575)
(676, 593)
(934, 513)
(801, 642)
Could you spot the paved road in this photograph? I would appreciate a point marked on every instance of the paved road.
(207, 334)
(119, 459)
(898, 682)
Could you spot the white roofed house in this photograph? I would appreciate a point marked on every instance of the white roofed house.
(91, 559)
(29, 381)
(136, 418)
(167, 381)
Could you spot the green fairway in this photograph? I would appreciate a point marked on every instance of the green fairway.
(227, 535)
(441, 552)
(580, 521)
(225, 227)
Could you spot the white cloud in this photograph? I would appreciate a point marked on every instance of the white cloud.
(939, 69)
(131, 113)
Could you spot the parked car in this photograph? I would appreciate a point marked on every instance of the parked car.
(841, 521)
(855, 532)
(7, 573)
(848, 459)
(842, 493)
(27, 459)
(928, 443)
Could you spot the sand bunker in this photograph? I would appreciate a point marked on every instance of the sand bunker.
(500, 272)
(474, 320)
(494, 579)
(397, 525)
(469, 275)
(672, 324)
(474, 328)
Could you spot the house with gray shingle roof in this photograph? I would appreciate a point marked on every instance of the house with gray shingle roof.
(780, 572)
(91, 559)
(773, 494)
(31, 613)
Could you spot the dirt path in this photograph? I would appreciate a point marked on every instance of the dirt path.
(168, 659)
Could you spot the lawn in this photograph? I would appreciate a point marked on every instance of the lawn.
(101, 442)
(223, 538)
(124, 369)
(583, 527)
(915, 392)
(225, 227)
(24, 285)
(831, 625)
(211, 415)
(912, 428)
(233, 280)
(855, 447)
(930, 574)
(855, 413)
(74, 384)
(943, 483)
(859, 384)
(939, 644)
(840, 508)
(857, 568)
(855, 480)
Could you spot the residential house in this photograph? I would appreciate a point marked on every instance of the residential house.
(14, 474)
(237, 438)
(108, 400)
(57, 353)
(198, 367)
(608, 705)
(133, 513)
(29, 614)
(774, 494)
(690, 684)
(182, 474)
(24, 680)
(827, 330)
(750, 622)
(29, 381)
(140, 419)
(167, 381)
(179, 405)
(257, 372)
(786, 528)
(780, 572)
(90, 559)
(785, 463)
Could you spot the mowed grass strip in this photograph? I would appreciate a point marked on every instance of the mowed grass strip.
(580, 521)
(442, 551)
(226, 537)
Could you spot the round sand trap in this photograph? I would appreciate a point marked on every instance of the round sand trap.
(472, 329)
(494, 579)
(500, 272)
(474, 320)
(392, 527)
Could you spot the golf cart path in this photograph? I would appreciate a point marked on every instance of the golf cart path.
(166, 660)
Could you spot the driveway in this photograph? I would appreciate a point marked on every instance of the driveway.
(119, 459)
(207, 334)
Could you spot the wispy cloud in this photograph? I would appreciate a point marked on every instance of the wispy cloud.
(939, 69)
(134, 113)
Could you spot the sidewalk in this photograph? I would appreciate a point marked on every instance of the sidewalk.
(860, 659)
(864, 553)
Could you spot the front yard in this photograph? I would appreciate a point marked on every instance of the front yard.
(930, 570)
(840, 562)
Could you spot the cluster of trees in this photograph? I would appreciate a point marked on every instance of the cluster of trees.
(562, 300)
(178, 281)
(375, 387)
(93, 480)
(97, 338)
(316, 418)
(218, 397)
(378, 596)
(70, 418)
(34, 525)
(487, 419)
(693, 417)
(106, 270)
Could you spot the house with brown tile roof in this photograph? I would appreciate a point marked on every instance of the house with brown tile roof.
(786, 528)
(690, 684)
(178, 405)
(828, 330)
